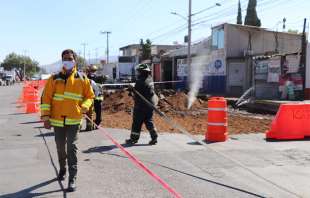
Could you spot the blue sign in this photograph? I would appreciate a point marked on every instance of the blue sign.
(218, 64)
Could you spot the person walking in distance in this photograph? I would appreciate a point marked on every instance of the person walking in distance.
(142, 112)
(66, 96)
(91, 74)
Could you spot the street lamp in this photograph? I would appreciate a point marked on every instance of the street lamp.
(180, 15)
(189, 21)
(107, 32)
(215, 5)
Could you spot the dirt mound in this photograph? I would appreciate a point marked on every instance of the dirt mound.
(117, 101)
(118, 105)
(170, 101)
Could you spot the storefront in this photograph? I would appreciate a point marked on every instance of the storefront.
(277, 77)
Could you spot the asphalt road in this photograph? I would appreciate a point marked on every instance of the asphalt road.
(28, 163)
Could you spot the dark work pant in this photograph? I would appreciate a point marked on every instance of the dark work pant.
(97, 106)
(67, 135)
(141, 116)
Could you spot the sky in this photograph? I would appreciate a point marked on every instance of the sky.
(41, 29)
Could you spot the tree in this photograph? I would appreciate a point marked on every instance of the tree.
(292, 31)
(251, 15)
(145, 49)
(80, 62)
(239, 17)
(19, 62)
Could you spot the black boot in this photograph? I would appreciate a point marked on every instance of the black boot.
(153, 141)
(61, 174)
(71, 185)
(131, 141)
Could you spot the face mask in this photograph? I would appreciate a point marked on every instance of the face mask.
(68, 65)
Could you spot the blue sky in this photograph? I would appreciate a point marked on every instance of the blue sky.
(42, 28)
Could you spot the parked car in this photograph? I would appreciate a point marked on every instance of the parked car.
(8, 80)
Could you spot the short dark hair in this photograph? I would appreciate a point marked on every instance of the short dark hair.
(69, 51)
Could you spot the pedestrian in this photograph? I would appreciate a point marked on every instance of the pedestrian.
(91, 74)
(66, 96)
(142, 112)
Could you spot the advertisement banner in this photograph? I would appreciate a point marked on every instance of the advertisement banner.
(181, 68)
(274, 69)
(217, 64)
(292, 63)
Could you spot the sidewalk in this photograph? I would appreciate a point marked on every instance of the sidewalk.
(29, 163)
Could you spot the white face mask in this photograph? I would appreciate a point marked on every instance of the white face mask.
(68, 65)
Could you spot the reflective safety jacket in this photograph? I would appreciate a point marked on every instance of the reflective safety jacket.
(63, 97)
(97, 90)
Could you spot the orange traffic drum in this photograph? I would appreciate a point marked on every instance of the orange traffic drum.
(217, 120)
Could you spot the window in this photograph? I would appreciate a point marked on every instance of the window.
(218, 38)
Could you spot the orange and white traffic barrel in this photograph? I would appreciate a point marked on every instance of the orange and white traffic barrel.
(217, 120)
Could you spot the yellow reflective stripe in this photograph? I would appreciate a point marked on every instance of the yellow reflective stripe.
(73, 96)
(58, 97)
(45, 107)
(72, 121)
(99, 98)
(87, 103)
(58, 123)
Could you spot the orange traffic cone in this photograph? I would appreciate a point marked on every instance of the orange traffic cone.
(32, 107)
(31, 98)
(291, 122)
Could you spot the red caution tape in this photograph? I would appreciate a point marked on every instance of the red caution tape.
(138, 163)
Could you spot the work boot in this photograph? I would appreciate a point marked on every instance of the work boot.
(71, 185)
(89, 128)
(61, 174)
(131, 141)
(153, 141)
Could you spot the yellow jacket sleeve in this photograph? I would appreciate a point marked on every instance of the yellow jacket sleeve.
(88, 95)
(46, 98)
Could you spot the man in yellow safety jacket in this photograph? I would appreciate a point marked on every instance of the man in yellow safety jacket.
(66, 96)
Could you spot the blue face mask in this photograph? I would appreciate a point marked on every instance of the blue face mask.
(68, 65)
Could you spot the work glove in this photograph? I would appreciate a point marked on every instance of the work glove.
(47, 124)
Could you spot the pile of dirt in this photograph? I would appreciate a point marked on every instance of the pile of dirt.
(118, 106)
(177, 101)
(170, 101)
(117, 101)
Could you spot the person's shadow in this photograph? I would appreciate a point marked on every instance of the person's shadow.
(101, 149)
(28, 192)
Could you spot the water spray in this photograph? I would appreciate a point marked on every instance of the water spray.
(196, 72)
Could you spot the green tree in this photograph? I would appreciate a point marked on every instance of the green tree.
(81, 63)
(239, 17)
(145, 49)
(251, 15)
(19, 62)
(292, 31)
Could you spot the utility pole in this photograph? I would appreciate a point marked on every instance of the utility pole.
(89, 57)
(189, 36)
(96, 50)
(84, 45)
(303, 58)
(25, 51)
(107, 32)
